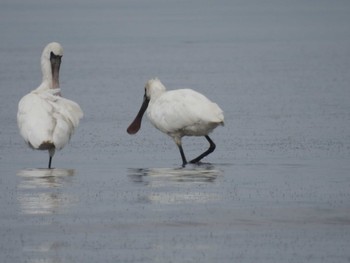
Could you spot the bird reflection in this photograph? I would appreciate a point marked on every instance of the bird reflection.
(176, 185)
(195, 173)
(40, 190)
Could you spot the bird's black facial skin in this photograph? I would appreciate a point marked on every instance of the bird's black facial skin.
(55, 69)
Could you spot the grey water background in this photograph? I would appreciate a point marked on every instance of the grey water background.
(277, 188)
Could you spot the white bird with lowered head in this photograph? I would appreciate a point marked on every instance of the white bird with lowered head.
(45, 119)
(178, 113)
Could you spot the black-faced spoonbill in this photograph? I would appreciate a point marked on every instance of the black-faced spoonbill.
(178, 113)
(45, 119)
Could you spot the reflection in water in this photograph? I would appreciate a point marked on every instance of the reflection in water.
(175, 185)
(42, 193)
(47, 252)
(40, 190)
(194, 173)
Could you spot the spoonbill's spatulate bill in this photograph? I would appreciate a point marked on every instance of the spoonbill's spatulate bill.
(178, 113)
(45, 119)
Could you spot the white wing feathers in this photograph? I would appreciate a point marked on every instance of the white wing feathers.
(186, 110)
(44, 117)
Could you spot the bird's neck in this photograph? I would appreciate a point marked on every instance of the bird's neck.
(156, 93)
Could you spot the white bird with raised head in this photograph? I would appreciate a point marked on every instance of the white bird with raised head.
(178, 113)
(45, 119)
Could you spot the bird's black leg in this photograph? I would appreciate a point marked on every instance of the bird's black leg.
(50, 162)
(210, 150)
(184, 161)
(51, 154)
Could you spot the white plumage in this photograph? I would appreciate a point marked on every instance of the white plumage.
(178, 113)
(45, 119)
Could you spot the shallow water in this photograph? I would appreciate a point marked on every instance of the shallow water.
(276, 189)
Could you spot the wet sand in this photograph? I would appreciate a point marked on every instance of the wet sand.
(276, 189)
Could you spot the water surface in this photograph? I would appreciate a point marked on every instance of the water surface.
(276, 189)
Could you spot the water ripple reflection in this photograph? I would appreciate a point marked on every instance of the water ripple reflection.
(194, 173)
(168, 186)
(40, 190)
